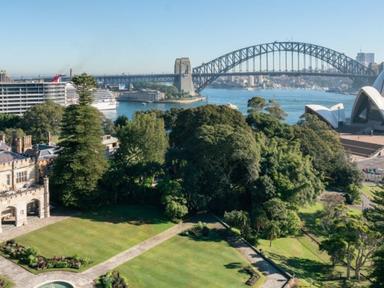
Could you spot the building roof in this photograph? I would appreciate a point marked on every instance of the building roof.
(379, 83)
(374, 96)
(43, 151)
(332, 115)
(4, 147)
(7, 156)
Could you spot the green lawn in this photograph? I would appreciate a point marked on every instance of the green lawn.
(184, 262)
(368, 189)
(310, 215)
(301, 255)
(8, 283)
(100, 235)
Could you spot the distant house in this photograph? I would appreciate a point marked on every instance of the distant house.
(111, 144)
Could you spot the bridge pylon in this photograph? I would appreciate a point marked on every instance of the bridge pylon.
(183, 79)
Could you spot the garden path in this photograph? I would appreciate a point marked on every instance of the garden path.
(274, 278)
(33, 224)
(25, 279)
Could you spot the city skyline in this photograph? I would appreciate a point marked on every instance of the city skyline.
(128, 37)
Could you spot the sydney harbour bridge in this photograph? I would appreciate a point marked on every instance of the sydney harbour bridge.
(272, 59)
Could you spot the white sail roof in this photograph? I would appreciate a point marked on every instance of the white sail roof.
(332, 115)
(379, 83)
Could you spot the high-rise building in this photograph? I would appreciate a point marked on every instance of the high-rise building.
(17, 97)
(365, 58)
(4, 77)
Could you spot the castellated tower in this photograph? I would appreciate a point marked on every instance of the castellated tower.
(183, 81)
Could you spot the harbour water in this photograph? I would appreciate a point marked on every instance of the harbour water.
(291, 100)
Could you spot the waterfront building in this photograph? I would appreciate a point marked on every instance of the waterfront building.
(144, 95)
(333, 116)
(368, 108)
(367, 113)
(17, 97)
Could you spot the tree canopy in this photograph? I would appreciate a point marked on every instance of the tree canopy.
(81, 162)
(43, 119)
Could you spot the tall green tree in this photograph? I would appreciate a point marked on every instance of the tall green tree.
(43, 119)
(377, 274)
(10, 121)
(352, 239)
(273, 231)
(275, 110)
(11, 134)
(375, 214)
(143, 140)
(221, 163)
(143, 145)
(286, 173)
(84, 85)
(81, 163)
(256, 104)
(328, 156)
(173, 198)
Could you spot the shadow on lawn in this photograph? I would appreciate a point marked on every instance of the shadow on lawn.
(310, 222)
(303, 268)
(237, 266)
(131, 214)
(214, 235)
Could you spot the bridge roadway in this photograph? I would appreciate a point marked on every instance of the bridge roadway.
(170, 77)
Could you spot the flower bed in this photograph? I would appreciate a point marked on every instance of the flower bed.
(29, 257)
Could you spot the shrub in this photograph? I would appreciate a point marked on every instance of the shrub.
(200, 230)
(112, 280)
(175, 209)
(238, 219)
(352, 193)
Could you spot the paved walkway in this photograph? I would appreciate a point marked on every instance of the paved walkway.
(274, 278)
(135, 251)
(24, 279)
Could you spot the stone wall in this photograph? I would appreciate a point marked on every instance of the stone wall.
(184, 79)
(16, 202)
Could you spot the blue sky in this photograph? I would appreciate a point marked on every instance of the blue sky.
(116, 36)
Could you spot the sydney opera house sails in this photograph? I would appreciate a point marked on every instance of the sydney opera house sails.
(333, 115)
(369, 105)
(367, 111)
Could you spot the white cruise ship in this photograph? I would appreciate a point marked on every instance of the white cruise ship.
(104, 100)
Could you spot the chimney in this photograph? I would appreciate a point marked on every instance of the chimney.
(27, 142)
(22, 144)
(49, 138)
(17, 145)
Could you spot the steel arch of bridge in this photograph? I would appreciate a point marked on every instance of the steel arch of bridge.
(206, 73)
